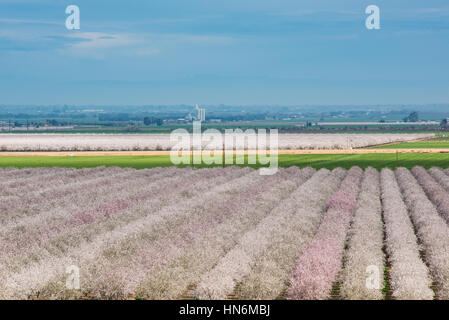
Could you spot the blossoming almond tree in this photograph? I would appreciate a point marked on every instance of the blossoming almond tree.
(431, 228)
(319, 264)
(204, 253)
(365, 243)
(220, 282)
(409, 275)
(269, 275)
(169, 233)
(434, 191)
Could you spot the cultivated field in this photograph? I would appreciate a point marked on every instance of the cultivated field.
(306, 159)
(133, 142)
(440, 141)
(169, 233)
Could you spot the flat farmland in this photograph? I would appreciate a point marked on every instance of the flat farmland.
(151, 142)
(317, 161)
(222, 233)
(439, 142)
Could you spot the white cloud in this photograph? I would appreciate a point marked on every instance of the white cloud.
(99, 40)
(98, 45)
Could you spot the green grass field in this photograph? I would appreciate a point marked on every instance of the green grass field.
(418, 145)
(329, 161)
(439, 142)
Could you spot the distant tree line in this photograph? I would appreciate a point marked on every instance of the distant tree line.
(148, 121)
(412, 117)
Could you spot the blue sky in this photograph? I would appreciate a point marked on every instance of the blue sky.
(245, 52)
